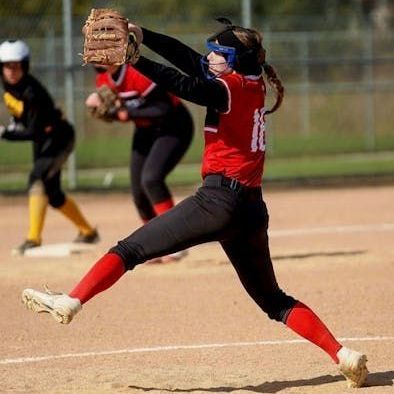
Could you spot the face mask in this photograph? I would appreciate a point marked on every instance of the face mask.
(228, 53)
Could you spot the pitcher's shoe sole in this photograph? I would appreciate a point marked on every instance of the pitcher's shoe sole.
(62, 307)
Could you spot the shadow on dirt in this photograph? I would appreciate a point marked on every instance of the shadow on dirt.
(319, 254)
(374, 380)
(311, 254)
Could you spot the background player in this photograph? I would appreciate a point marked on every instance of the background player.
(229, 207)
(163, 133)
(35, 118)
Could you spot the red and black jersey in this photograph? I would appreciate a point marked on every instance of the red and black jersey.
(235, 139)
(234, 125)
(130, 84)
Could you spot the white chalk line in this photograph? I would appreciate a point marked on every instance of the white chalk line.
(22, 360)
(362, 228)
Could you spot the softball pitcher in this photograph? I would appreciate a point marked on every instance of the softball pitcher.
(35, 118)
(228, 207)
(163, 133)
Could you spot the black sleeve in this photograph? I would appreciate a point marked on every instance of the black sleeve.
(16, 131)
(139, 108)
(38, 106)
(156, 104)
(201, 91)
(177, 53)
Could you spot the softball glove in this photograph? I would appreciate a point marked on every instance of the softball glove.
(107, 39)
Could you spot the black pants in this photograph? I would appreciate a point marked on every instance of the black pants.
(154, 154)
(47, 169)
(219, 211)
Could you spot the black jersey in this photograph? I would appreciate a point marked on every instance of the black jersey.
(35, 117)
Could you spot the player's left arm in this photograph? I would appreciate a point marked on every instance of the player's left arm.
(156, 104)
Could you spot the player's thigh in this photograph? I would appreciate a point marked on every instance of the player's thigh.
(141, 145)
(166, 152)
(204, 217)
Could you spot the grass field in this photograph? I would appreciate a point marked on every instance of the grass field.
(339, 169)
(288, 159)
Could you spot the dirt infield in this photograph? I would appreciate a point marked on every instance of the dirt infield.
(189, 327)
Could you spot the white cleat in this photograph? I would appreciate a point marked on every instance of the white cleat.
(353, 365)
(61, 306)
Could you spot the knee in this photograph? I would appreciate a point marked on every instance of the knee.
(56, 199)
(151, 183)
(278, 305)
(131, 253)
(36, 188)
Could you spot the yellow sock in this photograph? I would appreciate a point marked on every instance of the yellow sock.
(37, 208)
(72, 212)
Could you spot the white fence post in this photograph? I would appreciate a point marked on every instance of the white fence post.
(370, 138)
(69, 84)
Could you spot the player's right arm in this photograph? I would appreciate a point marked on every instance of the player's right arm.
(201, 91)
(179, 54)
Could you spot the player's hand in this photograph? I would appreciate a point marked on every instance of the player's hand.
(3, 129)
(123, 115)
(93, 100)
(139, 36)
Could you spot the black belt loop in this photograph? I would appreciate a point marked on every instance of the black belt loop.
(216, 180)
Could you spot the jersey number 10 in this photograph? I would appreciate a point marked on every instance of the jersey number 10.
(258, 134)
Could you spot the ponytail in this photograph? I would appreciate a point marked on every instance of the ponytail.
(253, 40)
(276, 84)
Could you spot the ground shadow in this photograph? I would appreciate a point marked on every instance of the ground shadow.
(381, 379)
(312, 254)
(374, 379)
(318, 254)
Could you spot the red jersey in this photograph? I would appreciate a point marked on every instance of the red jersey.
(235, 140)
(131, 84)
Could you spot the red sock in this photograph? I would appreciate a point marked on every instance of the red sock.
(100, 277)
(163, 206)
(304, 322)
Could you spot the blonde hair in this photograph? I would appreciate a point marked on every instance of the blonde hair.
(254, 40)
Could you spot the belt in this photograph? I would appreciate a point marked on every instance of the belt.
(217, 180)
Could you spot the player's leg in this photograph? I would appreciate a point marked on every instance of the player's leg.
(166, 152)
(249, 253)
(38, 203)
(204, 217)
(68, 207)
(140, 147)
(58, 199)
(37, 206)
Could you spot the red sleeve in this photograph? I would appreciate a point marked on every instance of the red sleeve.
(102, 79)
(141, 83)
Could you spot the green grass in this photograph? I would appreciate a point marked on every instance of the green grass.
(331, 166)
(277, 169)
(104, 151)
